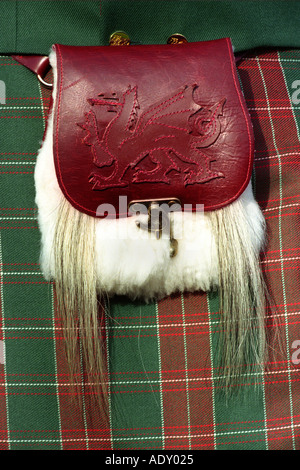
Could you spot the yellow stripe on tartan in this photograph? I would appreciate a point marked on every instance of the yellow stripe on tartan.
(280, 245)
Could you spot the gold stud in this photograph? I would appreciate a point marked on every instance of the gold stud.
(119, 38)
(177, 38)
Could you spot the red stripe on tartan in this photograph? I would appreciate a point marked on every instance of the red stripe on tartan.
(88, 426)
(258, 167)
(278, 393)
(271, 100)
(186, 406)
(282, 215)
(18, 153)
(284, 445)
(279, 269)
(174, 406)
(270, 68)
(25, 282)
(18, 208)
(27, 98)
(181, 333)
(255, 421)
(19, 264)
(164, 316)
(157, 371)
(285, 249)
(3, 416)
(164, 335)
(20, 117)
(28, 318)
(253, 118)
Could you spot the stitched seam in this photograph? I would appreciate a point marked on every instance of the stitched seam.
(133, 108)
(172, 127)
(57, 122)
(213, 121)
(172, 101)
(248, 131)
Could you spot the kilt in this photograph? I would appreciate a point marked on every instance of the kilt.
(161, 357)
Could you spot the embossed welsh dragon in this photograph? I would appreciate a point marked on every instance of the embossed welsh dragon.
(147, 148)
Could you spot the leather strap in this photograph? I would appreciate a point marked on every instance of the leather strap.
(38, 64)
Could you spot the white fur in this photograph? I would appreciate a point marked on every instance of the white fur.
(138, 266)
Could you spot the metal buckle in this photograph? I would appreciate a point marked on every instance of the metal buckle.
(160, 218)
(42, 81)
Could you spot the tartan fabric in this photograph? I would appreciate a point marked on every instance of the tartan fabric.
(161, 356)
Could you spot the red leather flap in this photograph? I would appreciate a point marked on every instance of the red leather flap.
(151, 122)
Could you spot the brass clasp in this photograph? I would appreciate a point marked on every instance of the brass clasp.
(160, 218)
(177, 38)
(119, 38)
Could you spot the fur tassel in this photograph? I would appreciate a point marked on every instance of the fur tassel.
(77, 299)
(242, 295)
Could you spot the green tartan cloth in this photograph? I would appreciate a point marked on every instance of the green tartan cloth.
(31, 27)
(163, 388)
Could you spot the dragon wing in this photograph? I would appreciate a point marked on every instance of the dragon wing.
(165, 113)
